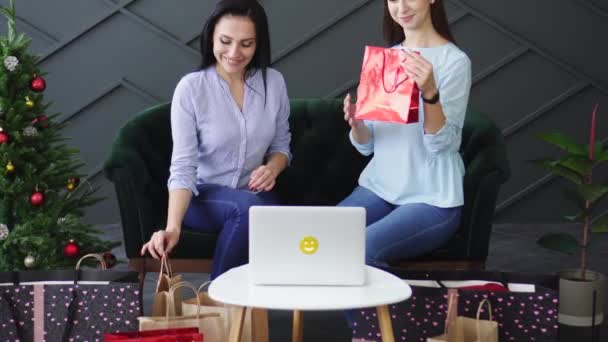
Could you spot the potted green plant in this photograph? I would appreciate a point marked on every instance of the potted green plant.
(581, 290)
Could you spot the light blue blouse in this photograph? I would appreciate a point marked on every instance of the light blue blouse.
(409, 166)
(214, 141)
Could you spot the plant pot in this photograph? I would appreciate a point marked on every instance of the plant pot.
(576, 298)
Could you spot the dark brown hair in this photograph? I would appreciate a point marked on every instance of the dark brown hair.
(393, 32)
(246, 8)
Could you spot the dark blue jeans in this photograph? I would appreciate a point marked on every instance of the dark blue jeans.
(400, 231)
(225, 210)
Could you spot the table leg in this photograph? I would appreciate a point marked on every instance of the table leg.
(236, 328)
(259, 325)
(298, 327)
(386, 327)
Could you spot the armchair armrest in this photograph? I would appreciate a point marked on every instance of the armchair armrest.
(141, 200)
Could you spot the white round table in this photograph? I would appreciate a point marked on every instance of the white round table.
(381, 289)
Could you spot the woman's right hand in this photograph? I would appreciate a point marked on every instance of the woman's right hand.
(161, 243)
(349, 113)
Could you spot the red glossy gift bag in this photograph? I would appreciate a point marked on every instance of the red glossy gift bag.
(385, 92)
(163, 335)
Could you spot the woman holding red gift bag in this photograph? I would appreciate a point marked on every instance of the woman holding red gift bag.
(412, 187)
(230, 129)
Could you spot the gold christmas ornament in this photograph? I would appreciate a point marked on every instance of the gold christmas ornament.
(10, 168)
(29, 261)
(29, 103)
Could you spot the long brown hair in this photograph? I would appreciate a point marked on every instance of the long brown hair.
(393, 32)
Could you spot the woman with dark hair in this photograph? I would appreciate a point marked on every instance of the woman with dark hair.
(412, 187)
(229, 122)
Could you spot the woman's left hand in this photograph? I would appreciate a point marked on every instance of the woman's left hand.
(421, 71)
(262, 179)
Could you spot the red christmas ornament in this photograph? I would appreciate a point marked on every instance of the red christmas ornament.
(71, 249)
(37, 199)
(110, 259)
(41, 121)
(38, 84)
(4, 138)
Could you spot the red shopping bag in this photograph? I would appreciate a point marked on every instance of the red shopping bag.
(163, 335)
(385, 92)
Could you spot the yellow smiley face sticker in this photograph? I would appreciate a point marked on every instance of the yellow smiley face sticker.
(309, 245)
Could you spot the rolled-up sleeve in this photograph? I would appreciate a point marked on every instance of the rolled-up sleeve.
(454, 89)
(282, 136)
(364, 149)
(185, 140)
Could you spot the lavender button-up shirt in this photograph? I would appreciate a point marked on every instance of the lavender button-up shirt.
(214, 141)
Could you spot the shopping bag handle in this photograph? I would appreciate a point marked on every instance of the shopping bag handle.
(94, 256)
(72, 305)
(396, 83)
(14, 313)
(451, 309)
(484, 301)
(203, 285)
(190, 286)
(165, 268)
(165, 265)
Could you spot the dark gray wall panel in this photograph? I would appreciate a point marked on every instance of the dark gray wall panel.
(562, 28)
(571, 117)
(62, 18)
(295, 22)
(320, 68)
(484, 45)
(41, 40)
(183, 20)
(600, 5)
(94, 128)
(519, 89)
(105, 55)
(454, 11)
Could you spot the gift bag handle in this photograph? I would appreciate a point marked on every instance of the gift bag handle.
(203, 285)
(165, 265)
(88, 256)
(168, 266)
(485, 301)
(396, 83)
(104, 266)
(165, 268)
(173, 288)
(72, 305)
(14, 313)
(451, 309)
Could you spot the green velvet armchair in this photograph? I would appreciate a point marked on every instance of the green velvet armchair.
(324, 170)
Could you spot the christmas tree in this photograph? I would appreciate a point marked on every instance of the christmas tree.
(41, 195)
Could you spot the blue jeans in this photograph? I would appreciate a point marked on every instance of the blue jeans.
(400, 231)
(225, 210)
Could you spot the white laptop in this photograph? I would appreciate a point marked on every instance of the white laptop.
(301, 245)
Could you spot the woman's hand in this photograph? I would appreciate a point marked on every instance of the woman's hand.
(349, 113)
(421, 71)
(161, 243)
(263, 178)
